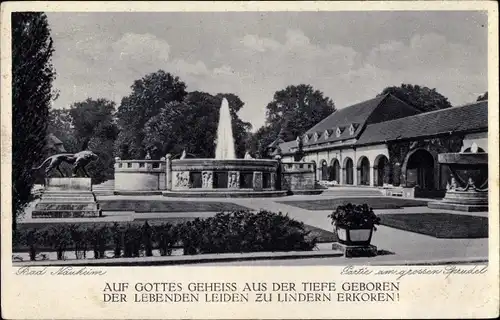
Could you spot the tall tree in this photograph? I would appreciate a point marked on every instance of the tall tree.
(32, 76)
(422, 98)
(296, 109)
(483, 97)
(191, 125)
(150, 94)
(61, 125)
(95, 128)
(292, 112)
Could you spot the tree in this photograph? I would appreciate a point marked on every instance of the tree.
(296, 109)
(292, 112)
(60, 125)
(483, 97)
(94, 128)
(149, 96)
(422, 98)
(32, 76)
(166, 132)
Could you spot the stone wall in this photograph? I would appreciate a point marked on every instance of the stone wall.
(297, 176)
(140, 175)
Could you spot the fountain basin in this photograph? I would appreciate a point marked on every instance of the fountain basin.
(222, 177)
(467, 189)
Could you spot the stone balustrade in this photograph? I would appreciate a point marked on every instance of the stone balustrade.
(140, 175)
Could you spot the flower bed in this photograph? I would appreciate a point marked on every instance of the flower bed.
(233, 232)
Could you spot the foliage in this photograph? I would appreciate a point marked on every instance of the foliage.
(199, 111)
(244, 231)
(59, 239)
(483, 97)
(259, 141)
(29, 238)
(354, 216)
(32, 76)
(149, 96)
(79, 241)
(296, 109)
(291, 113)
(95, 129)
(237, 231)
(422, 98)
(165, 236)
(99, 236)
(132, 241)
(61, 125)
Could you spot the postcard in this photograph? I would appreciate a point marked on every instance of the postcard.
(249, 160)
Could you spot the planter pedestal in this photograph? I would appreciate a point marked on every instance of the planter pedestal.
(354, 242)
(355, 251)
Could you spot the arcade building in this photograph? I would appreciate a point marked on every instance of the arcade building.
(385, 142)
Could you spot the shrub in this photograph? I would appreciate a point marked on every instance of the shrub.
(117, 235)
(31, 238)
(243, 231)
(99, 236)
(132, 241)
(147, 239)
(354, 216)
(57, 238)
(79, 240)
(165, 236)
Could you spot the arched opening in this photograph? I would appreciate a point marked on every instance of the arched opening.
(420, 170)
(363, 171)
(324, 170)
(348, 171)
(382, 172)
(335, 171)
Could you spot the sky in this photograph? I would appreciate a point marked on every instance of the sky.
(349, 56)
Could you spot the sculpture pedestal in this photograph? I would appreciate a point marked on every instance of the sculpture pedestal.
(468, 201)
(355, 251)
(67, 198)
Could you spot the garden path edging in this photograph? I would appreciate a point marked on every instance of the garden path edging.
(191, 259)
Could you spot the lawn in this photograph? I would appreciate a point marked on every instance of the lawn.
(439, 225)
(168, 206)
(374, 202)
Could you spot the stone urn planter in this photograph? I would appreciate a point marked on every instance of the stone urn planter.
(354, 224)
(353, 236)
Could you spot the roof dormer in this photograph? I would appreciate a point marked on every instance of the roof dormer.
(338, 132)
(351, 129)
(315, 136)
(306, 138)
(326, 134)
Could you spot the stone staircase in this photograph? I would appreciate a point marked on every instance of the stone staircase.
(67, 198)
(106, 188)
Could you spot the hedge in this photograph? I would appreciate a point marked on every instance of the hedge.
(232, 232)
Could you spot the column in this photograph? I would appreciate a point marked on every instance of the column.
(372, 176)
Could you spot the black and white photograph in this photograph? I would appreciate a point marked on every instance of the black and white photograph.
(249, 138)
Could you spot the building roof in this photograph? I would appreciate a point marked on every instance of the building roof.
(471, 117)
(348, 123)
(54, 143)
(52, 139)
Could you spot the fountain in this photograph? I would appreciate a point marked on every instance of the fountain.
(468, 186)
(225, 140)
(225, 175)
